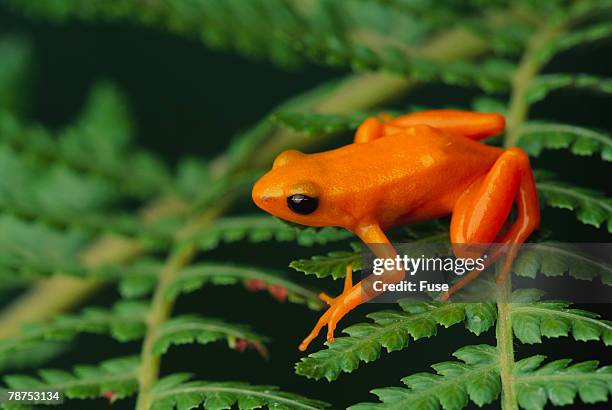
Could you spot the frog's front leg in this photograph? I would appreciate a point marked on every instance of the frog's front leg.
(481, 212)
(354, 295)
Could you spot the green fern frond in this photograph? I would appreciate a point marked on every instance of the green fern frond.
(32, 248)
(392, 330)
(541, 86)
(227, 186)
(263, 228)
(454, 384)
(57, 195)
(31, 355)
(16, 56)
(124, 322)
(595, 32)
(333, 264)
(245, 143)
(536, 136)
(556, 259)
(196, 276)
(591, 207)
(531, 321)
(190, 328)
(559, 382)
(115, 377)
(320, 124)
(476, 378)
(207, 20)
(104, 127)
(177, 391)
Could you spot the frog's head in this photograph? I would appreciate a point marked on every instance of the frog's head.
(294, 190)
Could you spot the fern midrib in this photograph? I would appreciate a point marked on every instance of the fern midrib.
(570, 192)
(235, 390)
(563, 313)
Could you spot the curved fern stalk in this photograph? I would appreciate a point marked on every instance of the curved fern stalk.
(176, 391)
(477, 378)
(535, 136)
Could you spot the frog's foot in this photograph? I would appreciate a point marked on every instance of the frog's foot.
(338, 307)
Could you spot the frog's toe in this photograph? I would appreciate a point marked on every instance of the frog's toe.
(326, 298)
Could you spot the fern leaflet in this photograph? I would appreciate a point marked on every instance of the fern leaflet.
(536, 136)
(545, 84)
(260, 229)
(392, 330)
(115, 376)
(177, 391)
(591, 207)
(196, 276)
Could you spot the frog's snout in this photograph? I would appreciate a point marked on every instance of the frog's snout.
(265, 195)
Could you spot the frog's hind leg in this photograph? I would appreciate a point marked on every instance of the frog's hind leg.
(481, 212)
(473, 125)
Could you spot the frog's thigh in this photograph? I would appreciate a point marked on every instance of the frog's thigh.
(482, 210)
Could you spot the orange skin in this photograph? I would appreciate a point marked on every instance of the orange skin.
(398, 171)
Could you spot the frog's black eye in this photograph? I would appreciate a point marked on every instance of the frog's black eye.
(302, 204)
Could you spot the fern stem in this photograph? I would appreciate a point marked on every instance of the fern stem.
(529, 67)
(159, 312)
(505, 347)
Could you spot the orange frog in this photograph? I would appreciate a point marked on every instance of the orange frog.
(403, 170)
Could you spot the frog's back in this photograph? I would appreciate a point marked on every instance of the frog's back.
(414, 175)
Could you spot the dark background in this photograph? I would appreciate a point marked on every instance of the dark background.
(188, 100)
